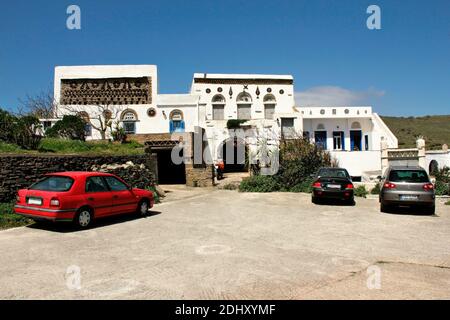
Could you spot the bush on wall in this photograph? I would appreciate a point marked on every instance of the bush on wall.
(69, 127)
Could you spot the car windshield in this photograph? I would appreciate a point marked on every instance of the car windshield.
(334, 173)
(418, 176)
(53, 183)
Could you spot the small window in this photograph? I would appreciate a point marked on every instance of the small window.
(129, 127)
(53, 183)
(115, 184)
(96, 184)
(218, 112)
(269, 111)
(88, 130)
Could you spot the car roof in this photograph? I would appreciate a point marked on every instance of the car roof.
(77, 174)
(332, 168)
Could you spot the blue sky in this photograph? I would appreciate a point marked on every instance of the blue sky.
(402, 69)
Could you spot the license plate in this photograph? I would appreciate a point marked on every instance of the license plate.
(35, 201)
(408, 197)
(334, 186)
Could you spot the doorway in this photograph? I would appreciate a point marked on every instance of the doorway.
(356, 140)
(234, 154)
(169, 172)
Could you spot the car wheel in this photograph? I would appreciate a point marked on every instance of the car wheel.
(384, 208)
(431, 210)
(315, 200)
(143, 207)
(351, 202)
(84, 218)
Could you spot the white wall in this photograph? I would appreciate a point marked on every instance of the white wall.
(442, 158)
(358, 163)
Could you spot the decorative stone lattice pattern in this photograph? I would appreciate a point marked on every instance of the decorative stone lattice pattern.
(120, 91)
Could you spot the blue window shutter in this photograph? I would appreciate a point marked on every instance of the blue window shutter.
(182, 125)
(171, 129)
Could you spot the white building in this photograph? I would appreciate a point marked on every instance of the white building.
(265, 102)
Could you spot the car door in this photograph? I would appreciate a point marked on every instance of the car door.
(98, 196)
(123, 198)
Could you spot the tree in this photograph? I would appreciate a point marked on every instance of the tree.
(21, 130)
(42, 105)
(100, 116)
(70, 127)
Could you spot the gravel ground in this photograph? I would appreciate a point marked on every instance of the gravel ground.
(217, 244)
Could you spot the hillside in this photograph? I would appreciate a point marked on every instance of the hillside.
(435, 130)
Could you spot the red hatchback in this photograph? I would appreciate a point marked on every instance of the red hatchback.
(80, 197)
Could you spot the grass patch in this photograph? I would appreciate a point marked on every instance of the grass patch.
(447, 203)
(62, 146)
(10, 148)
(65, 146)
(8, 219)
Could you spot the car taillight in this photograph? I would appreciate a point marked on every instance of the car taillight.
(428, 186)
(54, 202)
(389, 185)
(317, 185)
(349, 186)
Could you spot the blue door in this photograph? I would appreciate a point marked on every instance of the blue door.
(356, 140)
(321, 139)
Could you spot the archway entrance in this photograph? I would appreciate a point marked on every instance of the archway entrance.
(433, 168)
(234, 153)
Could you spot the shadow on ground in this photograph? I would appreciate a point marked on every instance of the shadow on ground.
(64, 227)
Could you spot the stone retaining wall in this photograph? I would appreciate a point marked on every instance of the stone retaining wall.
(20, 171)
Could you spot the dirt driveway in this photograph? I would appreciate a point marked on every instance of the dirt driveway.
(216, 244)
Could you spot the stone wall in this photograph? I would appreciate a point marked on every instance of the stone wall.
(201, 176)
(20, 171)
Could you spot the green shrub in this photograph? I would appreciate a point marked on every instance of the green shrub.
(305, 186)
(361, 191)
(69, 127)
(259, 183)
(376, 189)
(447, 203)
(441, 188)
(155, 194)
(299, 159)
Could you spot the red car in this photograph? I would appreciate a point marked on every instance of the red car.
(80, 197)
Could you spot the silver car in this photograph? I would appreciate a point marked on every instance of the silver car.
(407, 186)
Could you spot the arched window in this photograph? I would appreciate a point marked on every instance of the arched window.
(269, 106)
(244, 106)
(176, 121)
(356, 125)
(218, 107)
(320, 126)
(129, 118)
